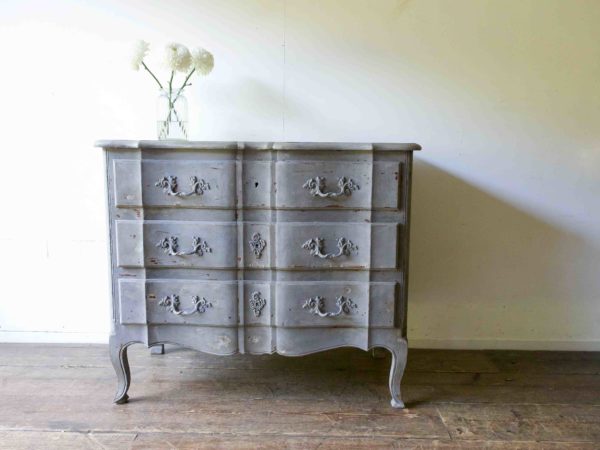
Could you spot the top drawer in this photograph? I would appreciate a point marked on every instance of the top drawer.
(337, 184)
(265, 184)
(188, 184)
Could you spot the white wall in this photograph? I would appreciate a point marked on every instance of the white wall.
(504, 96)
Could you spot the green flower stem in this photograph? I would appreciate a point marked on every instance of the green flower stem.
(171, 89)
(153, 76)
(172, 100)
(171, 107)
(185, 83)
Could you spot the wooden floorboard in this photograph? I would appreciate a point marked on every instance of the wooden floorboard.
(59, 396)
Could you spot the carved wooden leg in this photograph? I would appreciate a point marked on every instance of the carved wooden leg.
(158, 349)
(118, 357)
(397, 370)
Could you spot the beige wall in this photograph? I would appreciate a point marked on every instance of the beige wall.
(503, 95)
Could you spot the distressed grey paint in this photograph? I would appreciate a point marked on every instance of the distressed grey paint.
(130, 190)
(137, 244)
(258, 303)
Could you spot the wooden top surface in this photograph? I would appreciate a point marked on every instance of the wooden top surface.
(233, 145)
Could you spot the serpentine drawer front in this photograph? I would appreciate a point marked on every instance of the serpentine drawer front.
(298, 304)
(330, 184)
(231, 247)
(296, 184)
(189, 184)
(298, 245)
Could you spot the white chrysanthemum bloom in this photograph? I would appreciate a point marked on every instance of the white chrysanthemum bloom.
(177, 57)
(140, 48)
(202, 60)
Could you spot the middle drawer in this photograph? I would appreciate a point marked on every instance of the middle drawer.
(282, 245)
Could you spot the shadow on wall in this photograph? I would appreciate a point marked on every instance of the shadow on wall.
(476, 259)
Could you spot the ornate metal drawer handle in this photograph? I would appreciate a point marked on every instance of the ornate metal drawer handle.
(170, 246)
(315, 246)
(317, 184)
(316, 304)
(172, 303)
(169, 185)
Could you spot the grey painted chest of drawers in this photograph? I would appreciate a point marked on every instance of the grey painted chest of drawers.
(229, 247)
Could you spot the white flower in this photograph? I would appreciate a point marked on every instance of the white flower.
(140, 48)
(177, 57)
(202, 60)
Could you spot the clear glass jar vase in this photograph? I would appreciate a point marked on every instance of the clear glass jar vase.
(172, 114)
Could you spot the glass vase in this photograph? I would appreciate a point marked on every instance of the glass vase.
(172, 114)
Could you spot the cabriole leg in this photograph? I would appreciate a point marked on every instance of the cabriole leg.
(399, 354)
(118, 357)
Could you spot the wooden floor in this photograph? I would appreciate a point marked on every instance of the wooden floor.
(60, 397)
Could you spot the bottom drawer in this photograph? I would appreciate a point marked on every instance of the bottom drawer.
(334, 304)
(178, 302)
(282, 304)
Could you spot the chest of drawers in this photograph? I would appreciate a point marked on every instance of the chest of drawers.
(229, 247)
